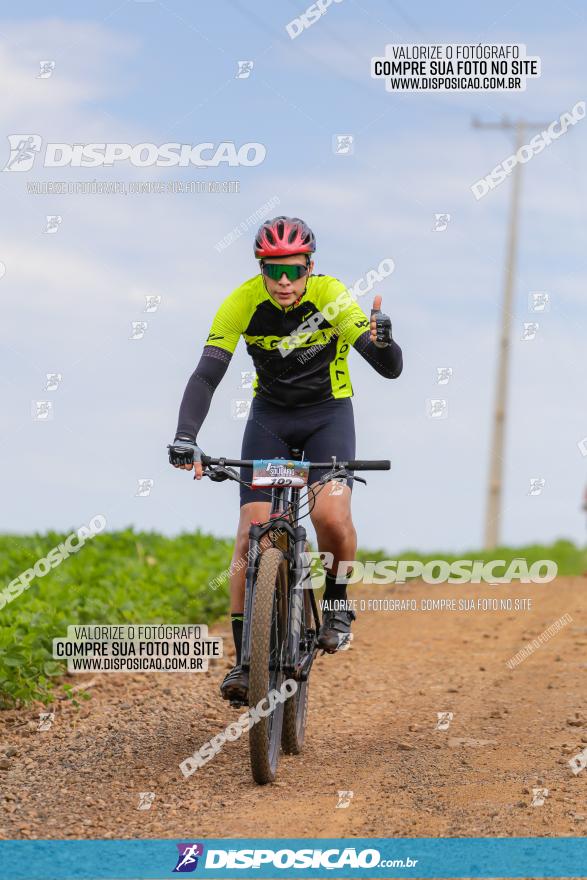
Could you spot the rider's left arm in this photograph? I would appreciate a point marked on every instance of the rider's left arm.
(387, 361)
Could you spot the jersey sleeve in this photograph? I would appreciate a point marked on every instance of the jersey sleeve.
(230, 321)
(342, 311)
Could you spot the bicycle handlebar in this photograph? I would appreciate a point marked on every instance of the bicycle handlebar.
(355, 465)
(364, 465)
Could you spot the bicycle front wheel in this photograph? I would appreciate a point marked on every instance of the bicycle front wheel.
(268, 632)
(295, 710)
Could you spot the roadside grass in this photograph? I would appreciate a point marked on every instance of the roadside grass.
(570, 559)
(117, 577)
(142, 577)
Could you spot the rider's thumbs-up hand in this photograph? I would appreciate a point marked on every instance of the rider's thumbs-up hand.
(380, 324)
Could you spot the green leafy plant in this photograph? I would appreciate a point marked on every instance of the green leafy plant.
(142, 577)
(117, 577)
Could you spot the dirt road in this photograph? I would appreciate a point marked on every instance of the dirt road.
(372, 731)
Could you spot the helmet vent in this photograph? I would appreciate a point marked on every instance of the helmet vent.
(284, 237)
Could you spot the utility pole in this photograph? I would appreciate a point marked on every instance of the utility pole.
(493, 509)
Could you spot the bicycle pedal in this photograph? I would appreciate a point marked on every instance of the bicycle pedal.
(238, 704)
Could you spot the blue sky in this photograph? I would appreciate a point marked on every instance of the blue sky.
(165, 72)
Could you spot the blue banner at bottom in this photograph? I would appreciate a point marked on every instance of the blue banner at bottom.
(303, 857)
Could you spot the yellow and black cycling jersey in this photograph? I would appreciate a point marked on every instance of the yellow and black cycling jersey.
(299, 352)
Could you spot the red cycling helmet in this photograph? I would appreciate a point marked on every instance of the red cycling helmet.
(283, 237)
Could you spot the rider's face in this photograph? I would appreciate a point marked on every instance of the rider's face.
(284, 291)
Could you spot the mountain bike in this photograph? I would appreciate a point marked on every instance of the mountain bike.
(281, 616)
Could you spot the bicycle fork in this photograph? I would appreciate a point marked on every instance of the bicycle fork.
(297, 668)
(299, 579)
(253, 554)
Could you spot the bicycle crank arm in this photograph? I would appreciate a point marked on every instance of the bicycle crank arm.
(302, 670)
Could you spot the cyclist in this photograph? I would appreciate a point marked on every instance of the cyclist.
(298, 328)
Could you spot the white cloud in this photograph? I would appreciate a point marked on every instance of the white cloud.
(80, 49)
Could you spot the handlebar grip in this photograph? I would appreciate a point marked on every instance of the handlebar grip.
(383, 465)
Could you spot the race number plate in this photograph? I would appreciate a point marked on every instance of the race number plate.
(279, 472)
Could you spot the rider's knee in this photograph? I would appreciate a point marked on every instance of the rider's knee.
(242, 538)
(336, 525)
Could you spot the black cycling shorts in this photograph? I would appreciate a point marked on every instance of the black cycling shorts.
(320, 431)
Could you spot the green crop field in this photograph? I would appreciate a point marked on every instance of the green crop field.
(570, 559)
(139, 577)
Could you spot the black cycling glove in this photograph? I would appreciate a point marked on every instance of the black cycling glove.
(184, 450)
(383, 327)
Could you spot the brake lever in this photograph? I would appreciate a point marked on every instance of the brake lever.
(336, 474)
(218, 474)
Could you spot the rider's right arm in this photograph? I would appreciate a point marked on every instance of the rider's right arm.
(222, 340)
(198, 393)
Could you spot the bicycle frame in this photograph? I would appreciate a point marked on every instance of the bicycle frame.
(276, 655)
(288, 536)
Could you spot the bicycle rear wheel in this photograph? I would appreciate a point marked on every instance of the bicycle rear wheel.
(268, 632)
